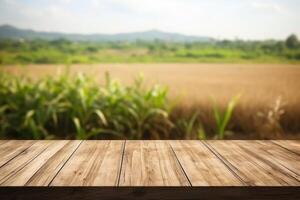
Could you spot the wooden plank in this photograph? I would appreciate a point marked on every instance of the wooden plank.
(151, 163)
(12, 148)
(271, 153)
(22, 159)
(292, 145)
(201, 166)
(95, 163)
(251, 169)
(3, 141)
(21, 177)
(150, 193)
(49, 170)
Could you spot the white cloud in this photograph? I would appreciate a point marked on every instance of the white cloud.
(268, 6)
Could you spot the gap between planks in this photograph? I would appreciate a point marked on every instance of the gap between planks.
(168, 162)
(269, 164)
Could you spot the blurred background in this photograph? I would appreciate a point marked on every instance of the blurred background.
(140, 69)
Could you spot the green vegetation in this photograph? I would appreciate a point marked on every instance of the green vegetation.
(67, 52)
(70, 107)
(222, 119)
(77, 107)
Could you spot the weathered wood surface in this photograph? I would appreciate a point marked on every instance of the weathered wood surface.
(138, 168)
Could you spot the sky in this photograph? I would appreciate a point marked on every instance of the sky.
(221, 19)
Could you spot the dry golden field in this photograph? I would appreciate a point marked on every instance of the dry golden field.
(269, 106)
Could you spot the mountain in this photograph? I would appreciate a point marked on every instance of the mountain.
(11, 32)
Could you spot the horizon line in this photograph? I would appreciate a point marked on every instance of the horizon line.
(143, 31)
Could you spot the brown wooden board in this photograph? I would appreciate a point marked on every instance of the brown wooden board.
(106, 169)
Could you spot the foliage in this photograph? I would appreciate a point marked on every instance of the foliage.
(67, 52)
(292, 42)
(223, 118)
(190, 128)
(77, 107)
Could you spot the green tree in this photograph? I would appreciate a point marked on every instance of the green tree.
(292, 42)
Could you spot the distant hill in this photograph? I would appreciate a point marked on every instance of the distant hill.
(11, 32)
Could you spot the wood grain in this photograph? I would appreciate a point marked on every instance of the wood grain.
(202, 167)
(280, 158)
(150, 193)
(20, 177)
(10, 149)
(292, 145)
(51, 167)
(162, 164)
(95, 163)
(20, 161)
(250, 166)
(151, 163)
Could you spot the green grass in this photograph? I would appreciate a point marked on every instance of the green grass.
(77, 107)
(223, 118)
(65, 52)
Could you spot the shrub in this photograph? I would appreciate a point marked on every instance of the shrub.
(77, 107)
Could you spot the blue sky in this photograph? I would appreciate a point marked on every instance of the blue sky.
(246, 19)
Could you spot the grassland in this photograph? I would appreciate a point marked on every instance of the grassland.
(268, 107)
(66, 52)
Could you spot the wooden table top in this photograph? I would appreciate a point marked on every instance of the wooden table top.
(149, 163)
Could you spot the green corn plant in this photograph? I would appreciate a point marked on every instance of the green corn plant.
(201, 134)
(78, 107)
(139, 111)
(222, 118)
(191, 128)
